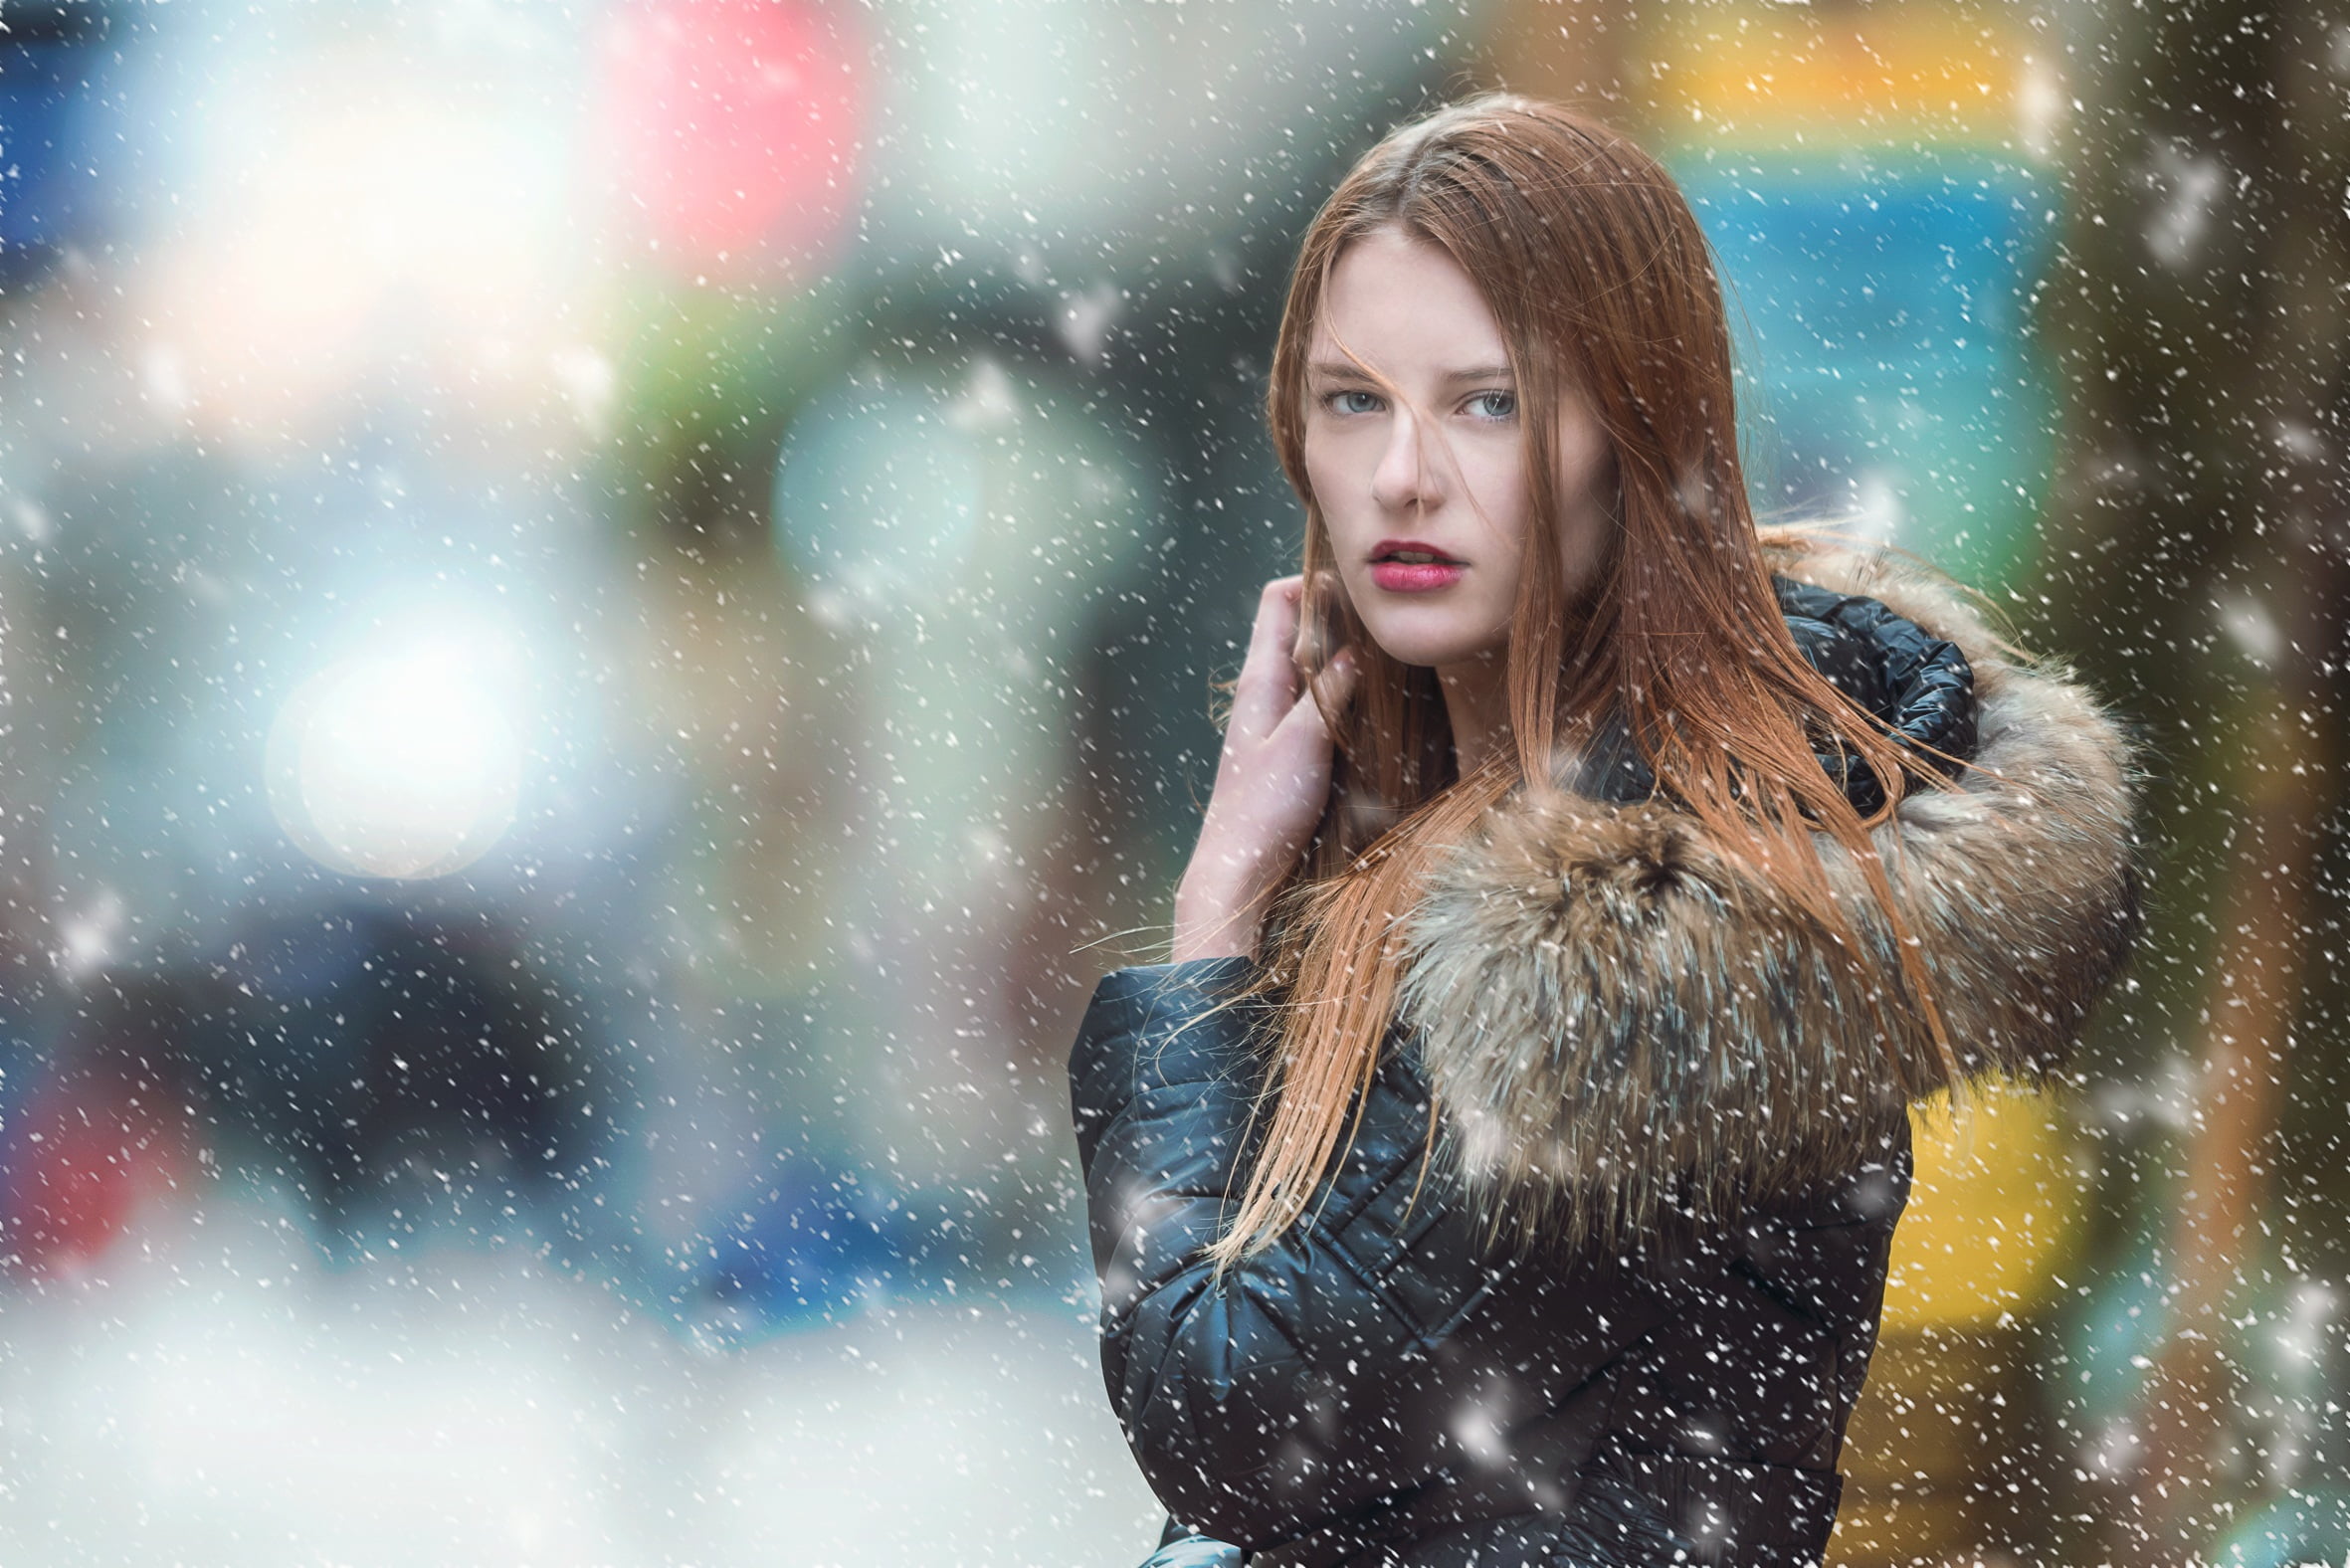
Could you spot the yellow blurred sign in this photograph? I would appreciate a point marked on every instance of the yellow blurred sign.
(1994, 1208)
(1779, 75)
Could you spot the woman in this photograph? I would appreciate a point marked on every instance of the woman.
(1504, 1169)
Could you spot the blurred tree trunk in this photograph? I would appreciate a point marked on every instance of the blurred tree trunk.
(2194, 563)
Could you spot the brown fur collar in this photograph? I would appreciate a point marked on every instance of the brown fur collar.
(1624, 1028)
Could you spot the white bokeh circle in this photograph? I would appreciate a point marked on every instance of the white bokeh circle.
(405, 764)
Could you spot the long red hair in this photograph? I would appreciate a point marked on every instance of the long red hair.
(1604, 287)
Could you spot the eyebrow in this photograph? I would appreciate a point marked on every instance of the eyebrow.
(1337, 370)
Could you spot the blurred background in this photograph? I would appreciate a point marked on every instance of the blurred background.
(605, 618)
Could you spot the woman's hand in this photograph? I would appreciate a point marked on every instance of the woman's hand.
(1271, 783)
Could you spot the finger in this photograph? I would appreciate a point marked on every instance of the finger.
(1308, 721)
(1312, 647)
(1333, 687)
(1298, 749)
(1336, 683)
(1269, 681)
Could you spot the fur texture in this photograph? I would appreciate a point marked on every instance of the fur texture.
(1625, 1031)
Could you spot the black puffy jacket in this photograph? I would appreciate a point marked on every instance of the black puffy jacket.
(1694, 1142)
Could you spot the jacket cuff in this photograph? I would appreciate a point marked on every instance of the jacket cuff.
(1156, 1024)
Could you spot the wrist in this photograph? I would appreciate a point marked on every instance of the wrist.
(1217, 919)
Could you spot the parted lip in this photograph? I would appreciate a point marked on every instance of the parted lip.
(1388, 550)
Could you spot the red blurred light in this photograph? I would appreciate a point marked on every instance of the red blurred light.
(81, 1164)
(732, 127)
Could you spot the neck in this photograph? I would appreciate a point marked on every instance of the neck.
(1476, 702)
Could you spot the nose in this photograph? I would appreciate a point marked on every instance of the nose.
(1405, 480)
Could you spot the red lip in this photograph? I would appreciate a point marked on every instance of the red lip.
(1413, 576)
(1403, 577)
(1387, 547)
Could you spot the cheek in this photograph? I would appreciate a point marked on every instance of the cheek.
(1585, 462)
(1326, 472)
(1587, 530)
(1498, 482)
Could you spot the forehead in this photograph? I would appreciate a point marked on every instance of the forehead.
(1405, 305)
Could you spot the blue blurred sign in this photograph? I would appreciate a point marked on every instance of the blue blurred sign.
(48, 189)
(1880, 310)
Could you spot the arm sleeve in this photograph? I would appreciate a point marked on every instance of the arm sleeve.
(1312, 1381)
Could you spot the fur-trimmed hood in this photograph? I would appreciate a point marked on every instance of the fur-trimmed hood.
(1624, 1028)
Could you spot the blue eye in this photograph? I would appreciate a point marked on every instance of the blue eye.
(1338, 405)
(1497, 405)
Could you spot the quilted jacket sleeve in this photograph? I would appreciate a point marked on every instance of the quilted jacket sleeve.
(1309, 1384)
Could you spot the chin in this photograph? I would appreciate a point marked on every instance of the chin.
(1431, 650)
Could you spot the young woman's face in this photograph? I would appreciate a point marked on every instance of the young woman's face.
(1427, 503)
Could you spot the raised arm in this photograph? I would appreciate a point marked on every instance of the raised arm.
(1327, 1372)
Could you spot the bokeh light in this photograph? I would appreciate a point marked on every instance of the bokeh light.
(404, 765)
(735, 128)
(879, 494)
(360, 206)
